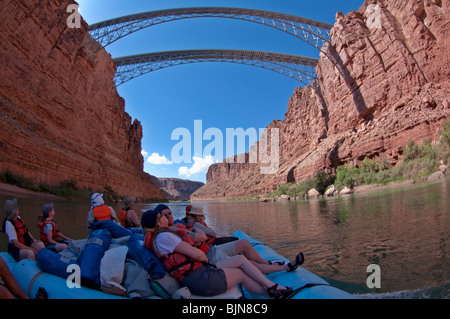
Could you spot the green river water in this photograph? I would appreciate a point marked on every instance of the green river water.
(405, 231)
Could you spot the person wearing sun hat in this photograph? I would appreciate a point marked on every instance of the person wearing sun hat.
(128, 216)
(99, 211)
(21, 243)
(49, 230)
(191, 266)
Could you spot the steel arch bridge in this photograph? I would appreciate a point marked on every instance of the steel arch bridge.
(293, 66)
(313, 32)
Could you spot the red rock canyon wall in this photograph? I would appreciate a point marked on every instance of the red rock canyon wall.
(60, 114)
(380, 86)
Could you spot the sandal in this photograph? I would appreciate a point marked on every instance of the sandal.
(280, 263)
(275, 293)
(41, 293)
(299, 259)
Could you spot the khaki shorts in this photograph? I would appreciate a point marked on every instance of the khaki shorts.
(214, 255)
(228, 248)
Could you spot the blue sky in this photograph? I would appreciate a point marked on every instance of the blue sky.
(220, 95)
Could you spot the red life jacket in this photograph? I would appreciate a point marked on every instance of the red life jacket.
(204, 246)
(102, 212)
(23, 235)
(210, 240)
(55, 232)
(177, 265)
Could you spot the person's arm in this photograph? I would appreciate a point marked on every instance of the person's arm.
(187, 250)
(208, 231)
(64, 237)
(12, 237)
(19, 245)
(50, 238)
(199, 235)
(167, 243)
(48, 230)
(134, 218)
(32, 238)
(114, 215)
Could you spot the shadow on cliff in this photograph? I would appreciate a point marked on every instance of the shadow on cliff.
(353, 87)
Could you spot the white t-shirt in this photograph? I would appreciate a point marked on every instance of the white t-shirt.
(10, 231)
(166, 242)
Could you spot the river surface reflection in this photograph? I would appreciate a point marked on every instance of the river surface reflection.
(406, 231)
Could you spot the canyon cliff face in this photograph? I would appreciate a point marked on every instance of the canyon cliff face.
(61, 115)
(382, 80)
(178, 189)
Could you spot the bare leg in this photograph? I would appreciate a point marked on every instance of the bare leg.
(60, 247)
(243, 246)
(237, 276)
(10, 282)
(38, 245)
(268, 269)
(249, 269)
(26, 254)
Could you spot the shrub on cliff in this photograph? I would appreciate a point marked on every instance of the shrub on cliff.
(346, 176)
(419, 161)
(282, 190)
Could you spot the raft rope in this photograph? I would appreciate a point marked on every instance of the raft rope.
(30, 286)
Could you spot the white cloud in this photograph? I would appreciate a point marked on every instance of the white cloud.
(157, 159)
(144, 153)
(200, 165)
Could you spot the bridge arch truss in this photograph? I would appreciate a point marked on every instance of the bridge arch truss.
(313, 32)
(299, 68)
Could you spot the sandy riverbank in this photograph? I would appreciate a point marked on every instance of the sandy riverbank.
(13, 190)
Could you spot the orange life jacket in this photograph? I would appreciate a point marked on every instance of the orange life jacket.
(177, 265)
(55, 231)
(123, 217)
(102, 212)
(123, 214)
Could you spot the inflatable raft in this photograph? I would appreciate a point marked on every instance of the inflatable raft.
(306, 285)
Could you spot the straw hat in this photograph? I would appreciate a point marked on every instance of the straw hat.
(196, 211)
(128, 201)
(10, 208)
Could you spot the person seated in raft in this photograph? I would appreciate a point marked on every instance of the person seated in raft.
(49, 230)
(191, 266)
(99, 211)
(196, 218)
(128, 216)
(197, 234)
(234, 248)
(21, 243)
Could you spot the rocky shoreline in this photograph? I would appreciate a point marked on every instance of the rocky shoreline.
(368, 188)
(12, 190)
